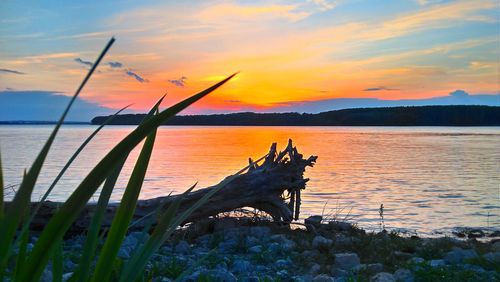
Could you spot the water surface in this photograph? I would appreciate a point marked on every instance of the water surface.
(428, 178)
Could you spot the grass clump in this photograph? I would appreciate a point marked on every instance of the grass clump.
(18, 263)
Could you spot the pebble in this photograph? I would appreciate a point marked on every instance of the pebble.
(314, 269)
(314, 220)
(382, 277)
(255, 249)
(241, 266)
(373, 267)
(458, 255)
(323, 278)
(320, 243)
(347, 261)
(182, 247)
(404, 275)
(437, 263)
(493, 257)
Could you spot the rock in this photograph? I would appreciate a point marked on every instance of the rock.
(124, 252)
(252, 241)
(278, 238)
(227, 245)
(321, 243)
(402, 255)
(314, 269)
(281, 263)
(473, 267)
(68, 265)
(211, 275)
(495, 233)
(255, 249)
(382, 277)
(66, 276)
(323, 278)
(130, 241)
(343, 241)
(260, 231)
(282, 273)
(314, 220)
(182, 247)
(302, 278)
(288, 245)
(161, 279)
(475, 233)
(416, 260)
(347, 261)
(458, 255)
(373, 268)
(496, 246)
(222, 275)
(274, 248)
(437, 263)
(493, 257)
(241, 266)
(311, 254)
(403, 275)
(340, 225)
(46, 275)
(250, 279)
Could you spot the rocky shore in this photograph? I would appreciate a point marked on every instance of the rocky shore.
(231, 249)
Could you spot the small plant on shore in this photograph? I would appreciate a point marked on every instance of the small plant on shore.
(381, 214)
(17, 263)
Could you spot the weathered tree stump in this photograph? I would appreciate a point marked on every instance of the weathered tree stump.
(273, 187)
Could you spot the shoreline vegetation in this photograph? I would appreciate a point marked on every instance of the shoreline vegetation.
(386, 116)
(248, 248)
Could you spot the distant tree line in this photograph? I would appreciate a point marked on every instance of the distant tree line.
(388, 116)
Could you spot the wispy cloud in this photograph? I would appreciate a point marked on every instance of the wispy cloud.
(136, 76)
(180, 82)
(87, 63)
(115, 65)
(380, 88)
(11, 71)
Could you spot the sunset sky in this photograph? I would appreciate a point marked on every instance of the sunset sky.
(287, 51)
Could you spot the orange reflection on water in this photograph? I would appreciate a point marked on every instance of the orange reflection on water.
(427, 178)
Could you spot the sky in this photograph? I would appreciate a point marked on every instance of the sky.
(288, 52)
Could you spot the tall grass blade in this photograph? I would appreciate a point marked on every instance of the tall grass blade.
(92, 239)
(57, 262)
(1, 189)
(125, 212)
(21, 256)
(22, 198)
(67, 213)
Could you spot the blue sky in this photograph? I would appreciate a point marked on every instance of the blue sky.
(287, 51)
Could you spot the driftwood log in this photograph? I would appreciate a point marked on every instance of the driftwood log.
(274, 187)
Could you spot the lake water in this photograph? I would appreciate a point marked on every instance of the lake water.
(430, 179)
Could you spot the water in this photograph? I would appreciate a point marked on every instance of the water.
(430, 179)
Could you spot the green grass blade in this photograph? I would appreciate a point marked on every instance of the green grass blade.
(57, 262)
(125, 212)
(92, 239)
(21, 256)
(22, 198)
(68, 212)
(1, 189)
(66, 166)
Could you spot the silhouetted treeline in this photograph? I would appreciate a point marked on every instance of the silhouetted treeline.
(391, 116)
